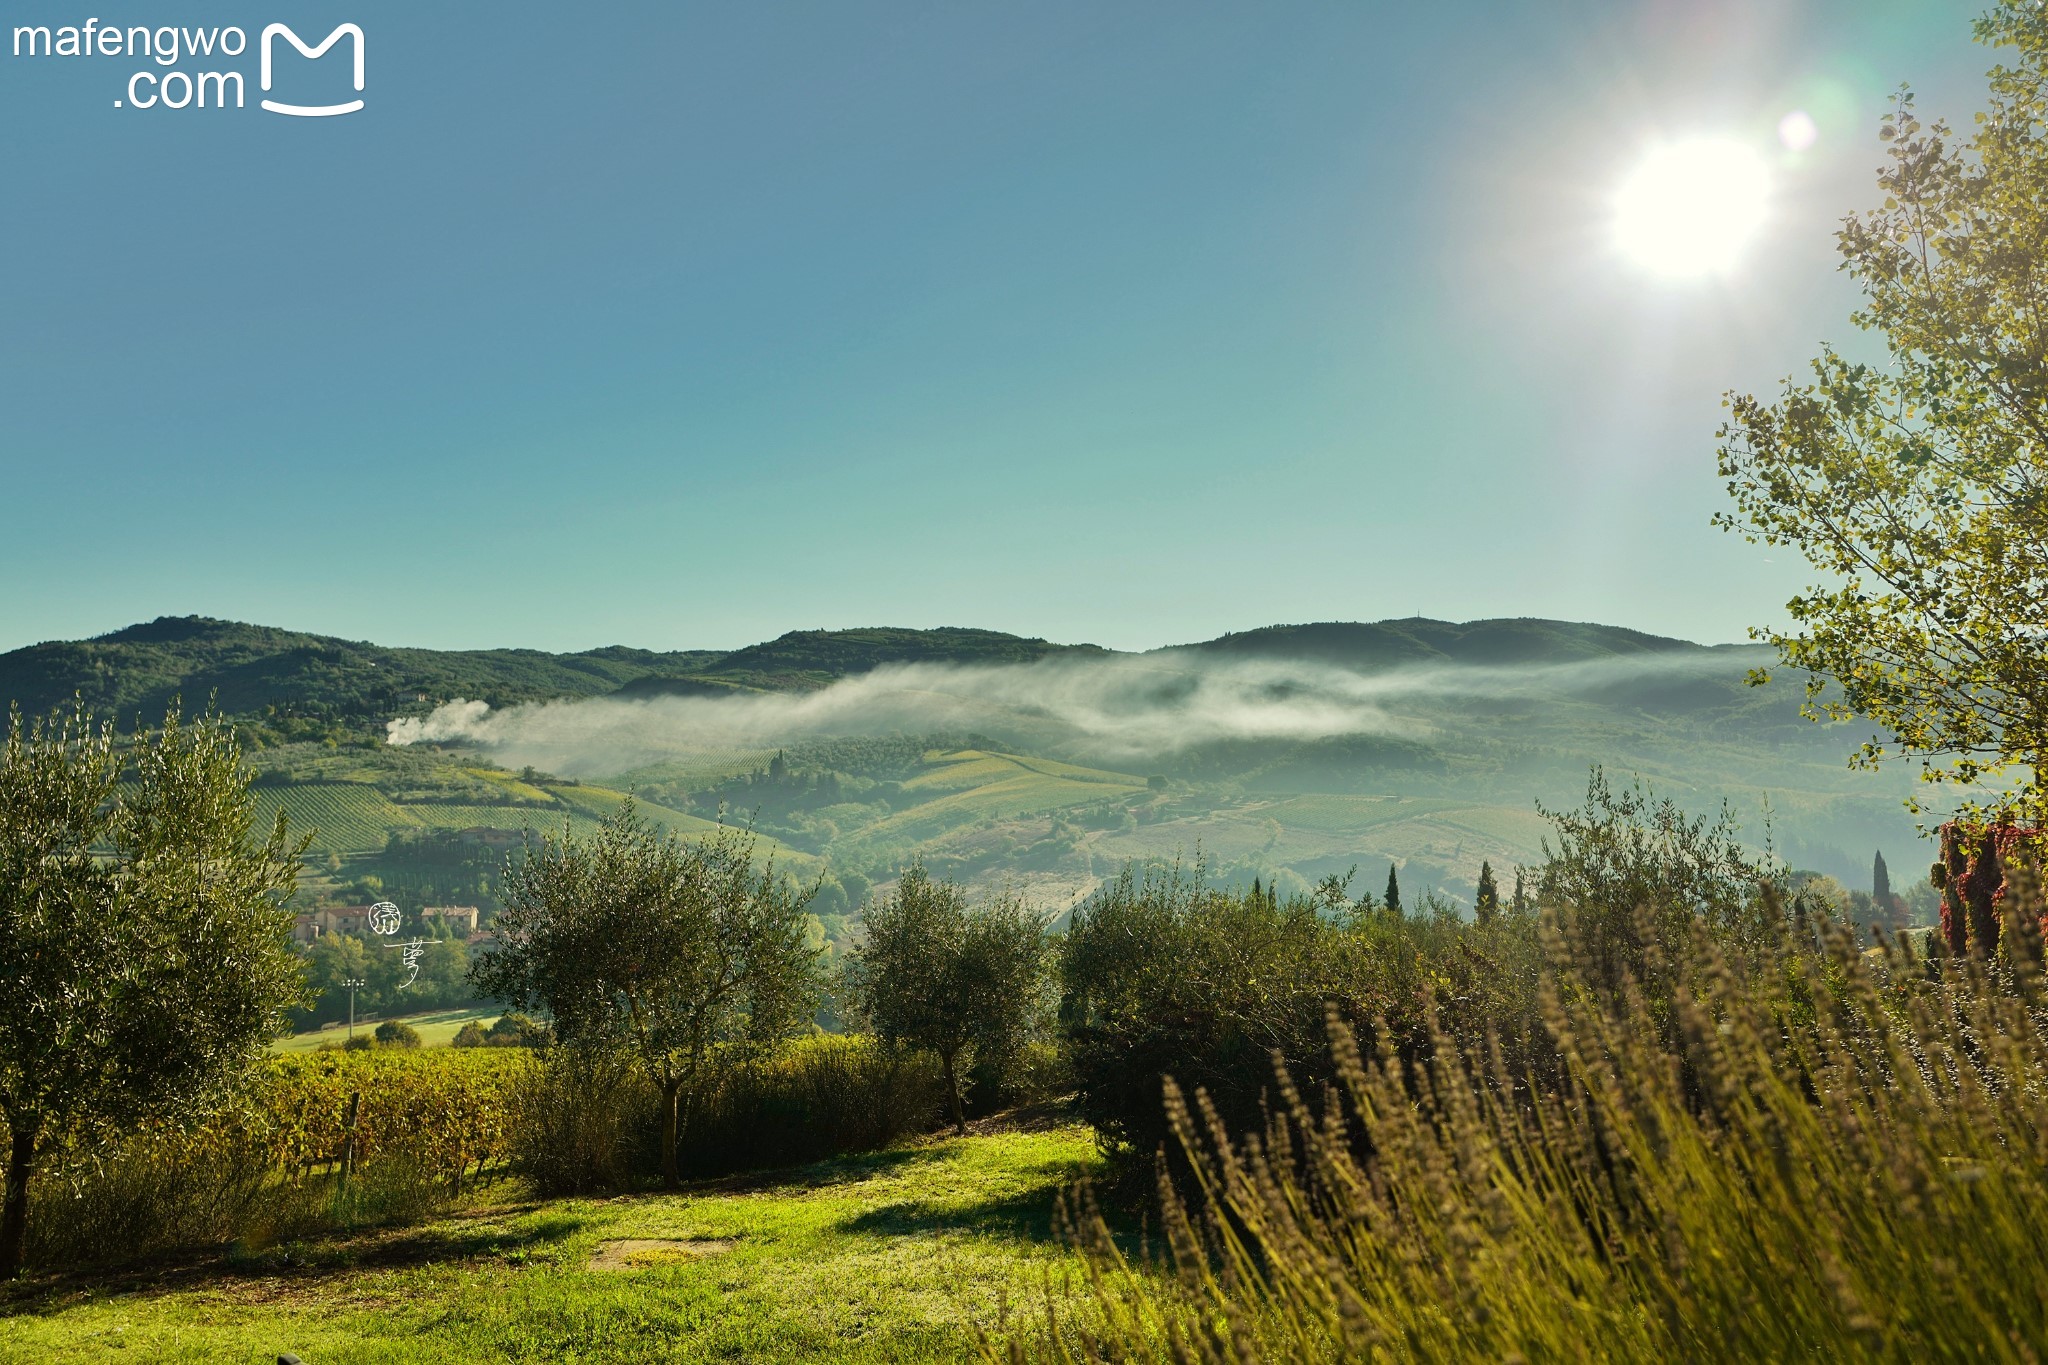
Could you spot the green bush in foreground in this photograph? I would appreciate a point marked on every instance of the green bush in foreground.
(1837, 1157)
(818, 1097)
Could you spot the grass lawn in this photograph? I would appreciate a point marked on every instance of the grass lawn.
(437, 1028)
(891, 1256)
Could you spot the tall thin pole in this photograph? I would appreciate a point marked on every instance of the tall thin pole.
(352, 983)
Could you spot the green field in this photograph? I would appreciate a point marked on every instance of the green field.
(969, 786)
(356, 817)
(436, 1028)
(353, 817)
(898, 1255)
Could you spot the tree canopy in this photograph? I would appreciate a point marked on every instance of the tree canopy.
(1917, 483)
(663, 950)
(144, 934)
(959, 980)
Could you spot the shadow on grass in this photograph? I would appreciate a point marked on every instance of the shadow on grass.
(838, 1170)
(1027, 1215)
(459, 1237)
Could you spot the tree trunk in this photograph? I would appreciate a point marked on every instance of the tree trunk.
(671, 1101)
(953, 1094)
(14, 1220)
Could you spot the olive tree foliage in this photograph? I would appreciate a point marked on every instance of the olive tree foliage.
(672, 953)
(1918, 486)
(1634, 874)
(145, 956)
(968, 983)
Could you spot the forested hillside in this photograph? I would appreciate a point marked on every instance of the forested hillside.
(261, 671)
(1075, 758)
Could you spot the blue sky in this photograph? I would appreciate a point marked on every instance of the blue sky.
(681, 325)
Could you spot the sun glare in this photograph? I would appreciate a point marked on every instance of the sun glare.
(1690, 208)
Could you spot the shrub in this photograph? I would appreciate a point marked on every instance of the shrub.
(1037, 1073)
(1168, 976)
(588, 1123)
(513, 1029)
(815, 1098)
(393, 1033)
(139, 1198)
(1837, 1157)
(469, 1035)
(584, 1122)
(1637, 875)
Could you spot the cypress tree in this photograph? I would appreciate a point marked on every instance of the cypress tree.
(1881, 883)
(1521, 900)
(1393, 888)
(1486, 902)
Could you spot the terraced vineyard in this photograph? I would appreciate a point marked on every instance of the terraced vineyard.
(969, 785)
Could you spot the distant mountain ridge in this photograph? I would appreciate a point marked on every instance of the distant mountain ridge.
(253, 670)
(1418, 640)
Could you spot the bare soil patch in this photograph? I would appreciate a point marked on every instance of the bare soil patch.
(637, 1253)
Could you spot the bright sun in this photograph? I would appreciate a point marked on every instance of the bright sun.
(1690, 207)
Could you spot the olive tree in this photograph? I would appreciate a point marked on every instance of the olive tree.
(964, 982)
(1918, 485)
(1635, 874)
(644, 945)
(145, 956)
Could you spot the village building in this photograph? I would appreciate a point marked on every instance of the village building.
(354, 921)
(351, 920)
(460, 918)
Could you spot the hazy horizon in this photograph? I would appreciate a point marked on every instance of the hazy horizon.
(775, 634)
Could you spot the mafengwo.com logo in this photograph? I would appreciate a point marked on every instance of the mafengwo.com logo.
(177, 53)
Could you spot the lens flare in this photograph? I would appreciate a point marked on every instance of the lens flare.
(1798, 131)
(1691, 208)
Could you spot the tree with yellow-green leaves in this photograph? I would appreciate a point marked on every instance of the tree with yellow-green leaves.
(1918, 485)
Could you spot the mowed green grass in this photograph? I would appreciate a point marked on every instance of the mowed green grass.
(436, 1028)
(894, 1256)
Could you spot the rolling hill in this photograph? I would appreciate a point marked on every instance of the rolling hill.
(1458, 730)
(259, 670)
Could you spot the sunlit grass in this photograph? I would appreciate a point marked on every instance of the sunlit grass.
(894, 1255)
(437, 1028)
